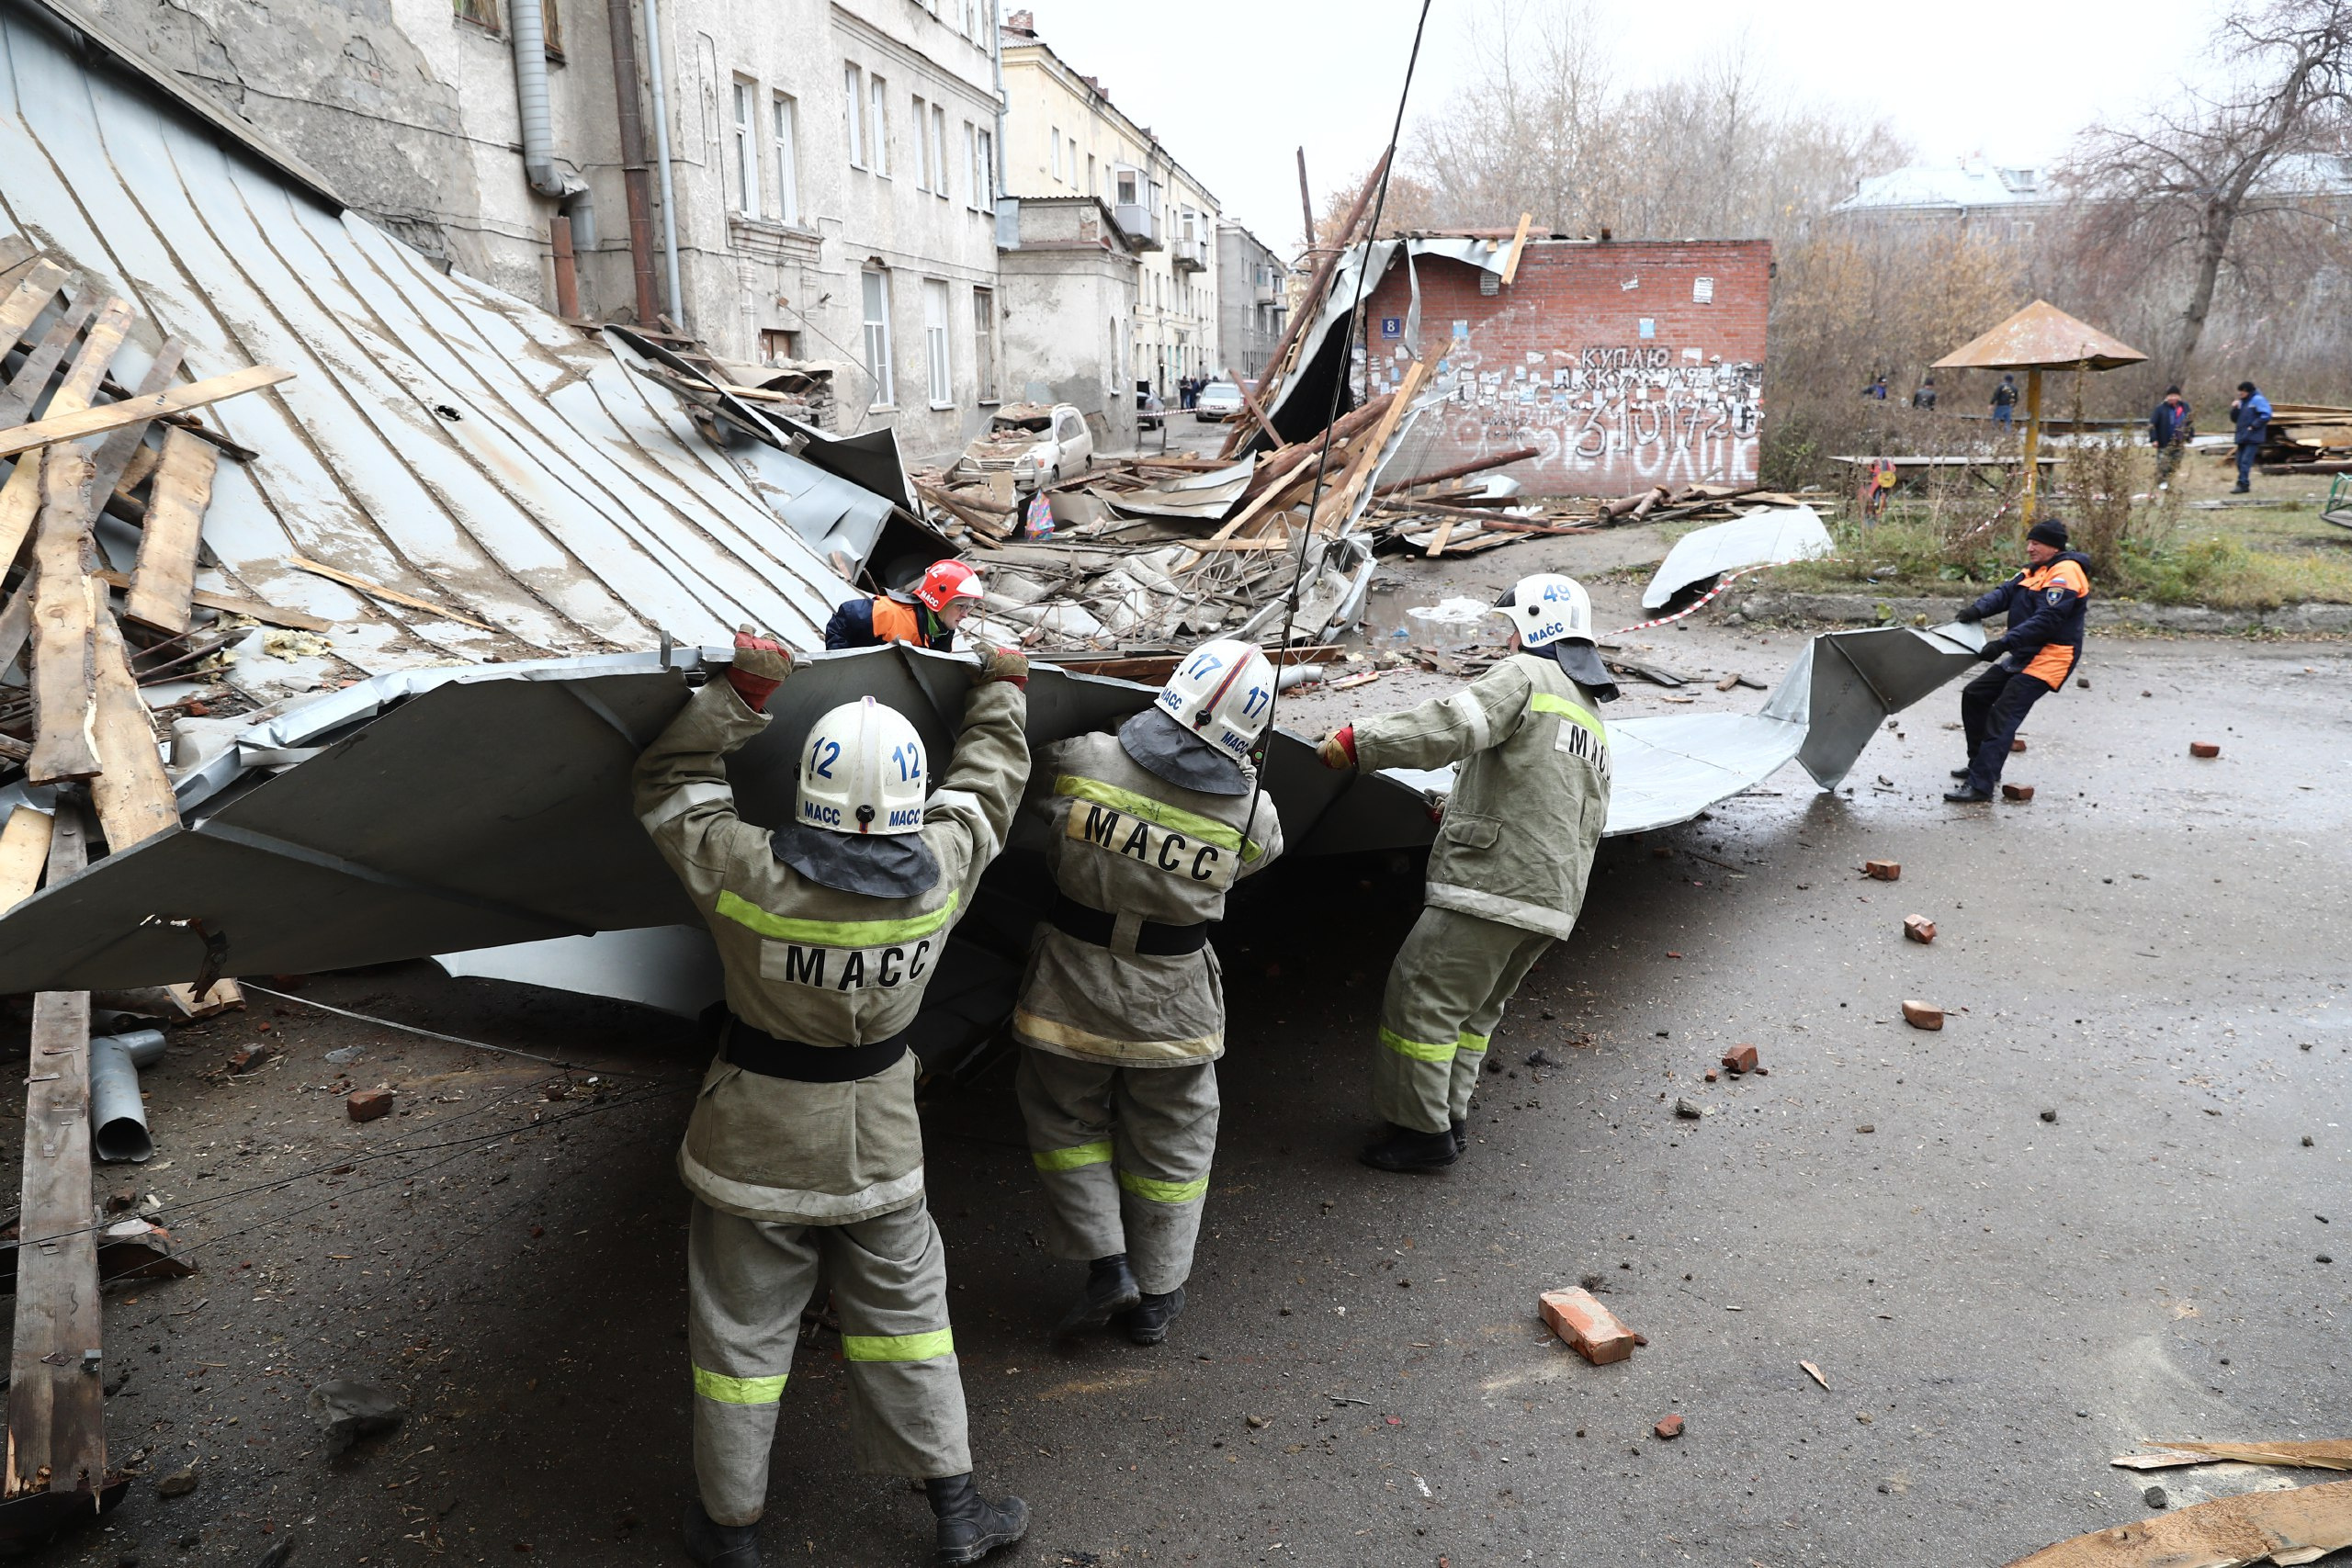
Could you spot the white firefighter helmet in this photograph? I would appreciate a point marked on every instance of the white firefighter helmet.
(1547, 608)
(1222, 691)
(862, 771)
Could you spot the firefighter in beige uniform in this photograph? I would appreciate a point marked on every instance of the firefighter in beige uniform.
(804, 1151)
(1507, 873)
(1122, 1007)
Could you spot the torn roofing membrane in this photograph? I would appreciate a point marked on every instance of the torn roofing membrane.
(440, 438)
(1761, 539)
(489, 807)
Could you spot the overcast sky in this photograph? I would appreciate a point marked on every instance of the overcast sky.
(1233, 88)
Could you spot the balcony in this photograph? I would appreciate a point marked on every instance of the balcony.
(1189, 255)
(1139, 223)
(1268, 291)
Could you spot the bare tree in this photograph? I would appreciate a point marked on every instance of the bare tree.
(2188, 179)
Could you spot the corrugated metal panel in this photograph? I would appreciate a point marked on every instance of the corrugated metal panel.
(440, 437)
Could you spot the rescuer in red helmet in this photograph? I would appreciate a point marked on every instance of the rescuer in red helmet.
(926, 616)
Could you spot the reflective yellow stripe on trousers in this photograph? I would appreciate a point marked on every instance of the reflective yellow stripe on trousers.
(1418, 1050)
(898, 1347)
(1078, 1158)
(738, 1390)
(1159, 1192)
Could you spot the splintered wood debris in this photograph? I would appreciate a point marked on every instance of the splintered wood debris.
(2327, 1453)
(2285, 1528)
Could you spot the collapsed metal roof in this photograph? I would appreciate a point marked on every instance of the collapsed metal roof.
(439, 438)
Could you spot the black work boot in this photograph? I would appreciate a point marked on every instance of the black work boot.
(1461, 1130)
(1959, 773)
(1964, 795)
(970, 1527)
(1148, 1324)
(1402, 1149)
(1110, 1291)
(720, 1546)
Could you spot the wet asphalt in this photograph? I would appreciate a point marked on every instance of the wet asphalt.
(1999, 1302)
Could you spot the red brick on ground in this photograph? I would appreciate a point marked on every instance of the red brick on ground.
(366, 1104)
(1668, 1427)
(2017, 791)
(1591, 1328)
(1918, 927)
(1884, 869)
(1923, 1015)
(1740, 1059)
(2204, 748)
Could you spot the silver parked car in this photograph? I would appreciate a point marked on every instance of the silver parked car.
(1217, 400)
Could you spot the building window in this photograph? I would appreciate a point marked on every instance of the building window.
(1129, 184)
(878, 129)
(779, 345)
(1091, 189)
(551, 28)
(746, 150)
(972, 165)
(984, 187)
(923, 150)
(1058, 153)
(482, 14)
(984, 343)
(784, 130)
(853, 91)
(940, 182)
(934, 343)
(878, 337)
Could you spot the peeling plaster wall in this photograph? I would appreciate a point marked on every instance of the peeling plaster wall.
(1064, 310)
(1627, 366)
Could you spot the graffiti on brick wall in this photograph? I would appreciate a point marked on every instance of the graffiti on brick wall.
(1604, 416)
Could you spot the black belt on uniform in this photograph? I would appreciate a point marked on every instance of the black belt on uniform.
(1075, 920)
(756, 1051)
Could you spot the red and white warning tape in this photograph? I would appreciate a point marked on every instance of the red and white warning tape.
(1728, 578)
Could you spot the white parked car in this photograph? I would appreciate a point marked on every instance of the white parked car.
(1217, 400)
(1035, 443)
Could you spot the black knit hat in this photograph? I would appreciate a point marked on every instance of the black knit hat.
(2049, 531)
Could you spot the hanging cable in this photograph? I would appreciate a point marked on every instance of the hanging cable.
(1338, 388)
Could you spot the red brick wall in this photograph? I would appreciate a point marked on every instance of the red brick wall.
(1558, 360)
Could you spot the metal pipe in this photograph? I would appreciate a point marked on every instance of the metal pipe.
(620, 28)
(996, 53)
(567, 274)
(662, 158)
(529, 27)
(118, 1116)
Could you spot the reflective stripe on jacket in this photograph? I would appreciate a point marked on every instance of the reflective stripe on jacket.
(1127, 842)
(870, 623)
(818, 965)
(1529, 801)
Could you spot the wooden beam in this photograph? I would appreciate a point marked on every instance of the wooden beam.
(1462, 470)
(31, 380)
(1335, 508)
(377, 591)
(116, 455)
(24, 850)
(133, 792)
(28, 300)
(98, 349)
(166, 576)
(56, 1390)
(1518, 245)
(132, 411)
(16, 625)
(231, 604)
(64, 609)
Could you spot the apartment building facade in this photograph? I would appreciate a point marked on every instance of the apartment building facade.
(1064, 137)
(1252, 300)
(804, 180)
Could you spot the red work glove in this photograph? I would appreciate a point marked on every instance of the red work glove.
(1339, 749)
(761, 665)
(1007, 664)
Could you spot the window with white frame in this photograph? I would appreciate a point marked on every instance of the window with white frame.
(784, 135)
(877, 336)
(853, 91)
(971, 165)
(878, 126)
(940, 180)
(984, 187)
(984, 343)
(934, 343)
(745, 150)
(1057, 151)
(923, 148)
(1128, 183)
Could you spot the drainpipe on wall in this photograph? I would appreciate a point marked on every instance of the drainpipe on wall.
(620, 27)
(662, 158)
(529, 29)
(1008, 211)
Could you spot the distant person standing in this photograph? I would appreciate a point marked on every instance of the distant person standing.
(2170, 430)
(1924, 397)
(2251, 414)
(2005, 399)
(1877, 389)
(2045, 604)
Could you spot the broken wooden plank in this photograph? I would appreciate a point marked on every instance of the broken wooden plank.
(235, 605)
(56, 1401)
(166, 576)
(2286, 1527)
(80, 384)
(35, 288)
(31, 380)
(16, 625)
(112, 461)
(24, 850)
(1437, 541)
(64, 611)
(377, 591)
(134, 409)
(1337, 507)
(1517, 248)
(2326, 1453)
(223, 995)
(133, 793)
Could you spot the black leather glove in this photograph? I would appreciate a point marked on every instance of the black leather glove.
(1992, 649)
(1970, 617)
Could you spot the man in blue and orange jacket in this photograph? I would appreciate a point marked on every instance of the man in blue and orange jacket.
(2045, 604)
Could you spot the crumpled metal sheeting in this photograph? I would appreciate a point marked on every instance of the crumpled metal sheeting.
(568, 501)
(492, 807)
(1761, 539)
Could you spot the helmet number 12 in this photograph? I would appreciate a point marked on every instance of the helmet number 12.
(909, 762)
(823, 755)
